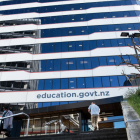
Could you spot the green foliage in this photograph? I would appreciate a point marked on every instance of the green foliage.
(133, 98)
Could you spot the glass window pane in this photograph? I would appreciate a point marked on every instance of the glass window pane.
(97, 82)
(80, 63)
(122, 80)
(72, 83)
(57, 65)
(64, 64)
(102, 61)
(106, 81)
(87, 63)
(43, 65)
(80, 83)
(95, 62)
(133, 59)
(114, 81)
(71, 46)
(72, 64)
(110, 60)
(89, 82)
(40, 84)
(49, 66)
(56, 83)
(48, 84)
(64, 83)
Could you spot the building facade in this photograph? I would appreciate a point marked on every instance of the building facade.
(64, 52)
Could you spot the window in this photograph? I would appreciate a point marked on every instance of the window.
(89, 82)
(49, 66)
(97, 82)
(87, 63)
(43, 65)
(64, 64)
(106, 81)
(48, 84)
(57, 65)
(80, 64)
(65, 47)
(72, 83)
(57, 47)
(71, 46)
(110, 60)
(122, 80)
(102, 61)
(64, 83)
(72, 64)
(95, 62)
(114, 81)
(80, 83)
(56, 83)
(85, 45)
(79, 46)
(40, 84)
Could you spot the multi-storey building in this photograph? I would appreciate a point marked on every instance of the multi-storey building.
(56, 54)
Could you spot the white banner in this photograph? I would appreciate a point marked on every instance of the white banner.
(62, 95)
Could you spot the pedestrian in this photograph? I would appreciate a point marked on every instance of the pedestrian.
(94, 110)
(2, 121)
(8, 122)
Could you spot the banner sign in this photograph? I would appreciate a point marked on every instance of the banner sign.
(62, 95)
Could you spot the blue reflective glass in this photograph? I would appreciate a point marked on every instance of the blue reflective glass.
(72, 83)
(64, 64)
(97, 82)
(114, 81)
(79, 46)
(80, 83)
(57, 47)
(93, 44)
(49, 66)
(64, 83)
(85, 45)
(133, 59)
(57, 65)
(71, 31)
(64, 46)
(43, 65)
(55, 103)
(72, 64)
(56, 83)
(106, 81)
(50, 47)
(114, 43)
(80, 64)
(65, 31)
(48, 84)
(46, 104)
(121, 42)
(87, 63)
(122, 80)
(71, 46)
(130, 27)
(107, 43)
(100, 43)
(62, 103)
(90, 29)
(39, 105)
(118, 60)
(40, 84)
(95, 62)
(89, 82)
(43, 48)
(102, 61)
(128, 42)
(110, 60)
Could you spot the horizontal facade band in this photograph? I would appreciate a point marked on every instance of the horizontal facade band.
(94, 22)
(94, 36)
(37, 4)
(115, 51)
(63, 95)
(91, 10)
(99, 71)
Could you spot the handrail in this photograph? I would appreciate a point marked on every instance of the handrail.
(22, 113)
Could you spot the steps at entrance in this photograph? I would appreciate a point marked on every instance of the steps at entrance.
(110, 134)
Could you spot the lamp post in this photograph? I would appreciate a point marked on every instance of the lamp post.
(132, 36)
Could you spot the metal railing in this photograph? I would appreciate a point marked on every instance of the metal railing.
(22, 113)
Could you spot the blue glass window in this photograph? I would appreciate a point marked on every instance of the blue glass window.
(106, 81)
(72, 64)
(102, 61)
(80, 83)
(49, 66)
(92, 44)
(97, 82)
(72, 83)
(95, 62)
(64, 64)
(80, 64)
(122, 80)
(56, 83)
(43, 48)
(64, 83)
(114, 81)
(107, 43)
(57, 65)
(85, 45)
(57, 47)
(118, 60)
(110, 60)
(64, 46)
(133, 59)
(87, 63)
(50, 47)
(40, 84)
(48, 84)
(89, 82)
(46, 104)
(71, 46)
(79, 46)
(43, 65)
